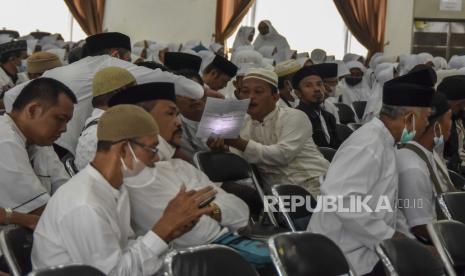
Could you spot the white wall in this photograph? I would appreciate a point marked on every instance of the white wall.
(399, 26)
(162, 20)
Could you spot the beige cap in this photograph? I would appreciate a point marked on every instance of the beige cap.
(110, 79)
(287, 67)
(263, 74)
(40, 62)
(124, 122)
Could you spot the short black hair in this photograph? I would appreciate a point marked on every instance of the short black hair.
(121, 52)
(75, 54)
(45, 89)
(104, 146)
(5, 57)
(212, 67)
(102, 100)
(152, 65)
(190, 74)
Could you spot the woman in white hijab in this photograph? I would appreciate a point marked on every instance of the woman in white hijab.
(268, 36)
(383, 73)
(354, 88)
(244, 37)
(439, 63)
(156, 52)
(217, 48)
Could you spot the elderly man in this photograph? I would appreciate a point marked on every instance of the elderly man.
(88, 220)
(365, 166)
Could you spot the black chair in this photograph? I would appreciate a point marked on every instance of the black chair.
(343, 132)
(16, 245)
(408, 257)
(207, 260)
(354, 126)
(70, 167)
(11, 33)
(328, 153)
(346, 114)
(448, 237)
(298, 219)
(305, 253)
(68, 270)
(359, 107)
(457, 179)
(452, 205)
(226, 166)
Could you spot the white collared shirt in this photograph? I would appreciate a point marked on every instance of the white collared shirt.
(151, 191)
(283, 149)
(87, 143)
(87, 221)
(364, 165)
(78, 77)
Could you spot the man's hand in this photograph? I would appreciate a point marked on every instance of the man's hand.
(216, 144)
(237, 143)
(183, 213)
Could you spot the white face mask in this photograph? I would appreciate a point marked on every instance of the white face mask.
(438, 140)
(137, 165)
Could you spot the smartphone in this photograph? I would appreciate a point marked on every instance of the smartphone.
(206, 202)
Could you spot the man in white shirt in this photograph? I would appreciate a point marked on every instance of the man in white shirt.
(103, 50)
(418, 185)
(285, 71)
(278, 140)
(365, 167)
(88, 220)
(39, 62)
(107, 82)
(29, 167)
(11, 56)
(218, 73)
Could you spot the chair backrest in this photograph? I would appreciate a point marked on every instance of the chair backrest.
(222, 166)
(305, 253)
(408, 257)
(452, 205)
(207, 260)
(343, 132)
(448, 237)
(457, 179)
(16, 245)
(68, 162)
(346, 114)
(359, 107)
(354, 126)
(297, 219)
(328, 153)
(68, 270)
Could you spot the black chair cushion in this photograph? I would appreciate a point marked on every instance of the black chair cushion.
(70, 270)
(212, 262)
(359, 107)
(410, 258)
(295, 190)
(310, 254)
(346, 114)
(343, 132)
(455, 204)
(328, 153)
(452, 237)
(457, 179)
(223, 166)
(19, 241)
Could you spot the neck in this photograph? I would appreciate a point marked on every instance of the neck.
(426, 140)
(10, 69)
(262, 117)
(286, 94)
(109, 166)
(16, 117)
(391, 125)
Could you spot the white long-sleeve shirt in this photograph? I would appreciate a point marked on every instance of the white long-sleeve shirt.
(29, 174)
(283, 149)
(78, 77)
(364, 165)
(151, 191)
(87, 142)
(87, 221)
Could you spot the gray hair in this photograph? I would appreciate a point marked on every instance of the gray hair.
(394, 112)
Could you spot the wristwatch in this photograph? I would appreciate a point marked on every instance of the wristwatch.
(8, 215)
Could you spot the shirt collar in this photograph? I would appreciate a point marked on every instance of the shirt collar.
(102, 183)
(269, 117)
(189, 122)
(388, 138)
(97, 112)
(15, 128)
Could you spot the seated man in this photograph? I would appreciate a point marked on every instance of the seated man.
(218, 73)
(29, 168)
(40, 62)
(150, 192)
(310, 89)
(88, 220)
(105, 84)
(11, 55)
(365, 166)
(285, 71)
(278, 140)
(421, 176)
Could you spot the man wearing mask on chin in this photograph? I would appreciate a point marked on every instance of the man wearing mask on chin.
(355, 89)
(374, 173)
(88, 220)
(422, 175)
(12, 56)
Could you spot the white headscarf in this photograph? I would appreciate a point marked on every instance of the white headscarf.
(457, 62)
(440, 63)
(272, 38)
(424, 58)
(153, 52)
(372, 63)
(247, 56)
(215, 47)
(351, 57)
(268, 51)
(174, 47)
(242, 37)
(356, 64)
(318, 56)
(407, 62)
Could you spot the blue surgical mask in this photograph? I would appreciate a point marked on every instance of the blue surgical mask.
(438, 140)
(22, 67)
(406, 135)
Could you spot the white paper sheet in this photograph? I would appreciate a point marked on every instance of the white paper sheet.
(222, 118)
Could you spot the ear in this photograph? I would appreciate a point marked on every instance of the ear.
(234, 82)
(298, 93)
(115, 54)
(123, 148)
(33, 110)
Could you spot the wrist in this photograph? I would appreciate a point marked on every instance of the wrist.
(163, 230)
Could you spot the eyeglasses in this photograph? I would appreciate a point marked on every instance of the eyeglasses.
(152, 150)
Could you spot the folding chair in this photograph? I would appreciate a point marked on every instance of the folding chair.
(346, 114)
(457, 179)
(68, 270)
(328, 153)
(207, 260)
(408, 257)
(305, 253)
(452, 205)
(359, 107)
(70, 167)
(16, 245)
(343, 132)
(448, 237)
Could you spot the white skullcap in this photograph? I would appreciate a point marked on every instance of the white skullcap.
(318, 56)
(356, 64)
(264, 75)
(287, 67)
